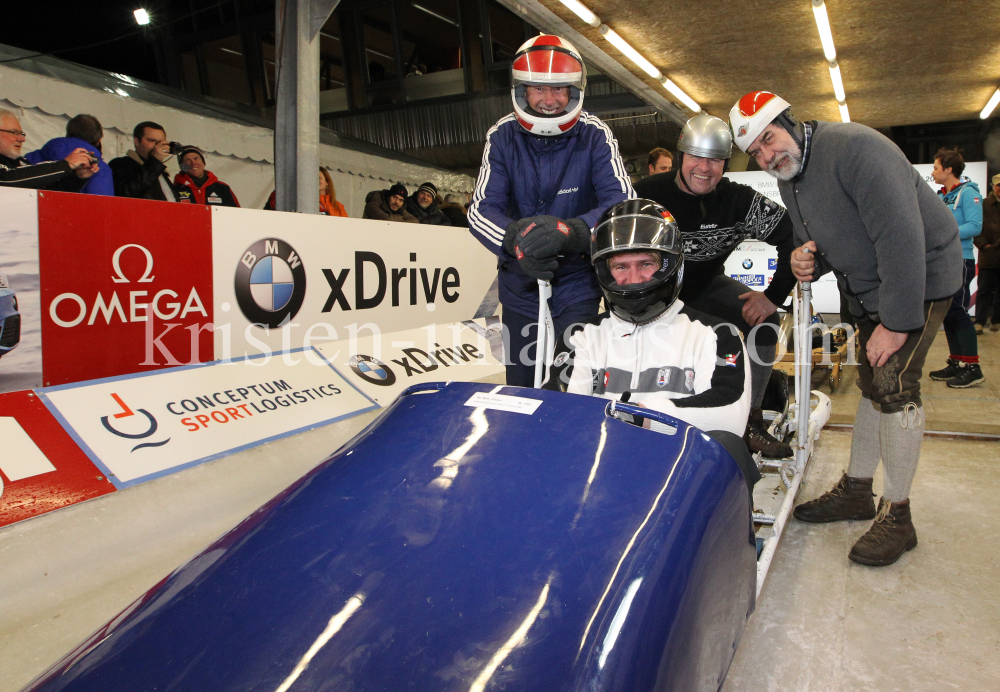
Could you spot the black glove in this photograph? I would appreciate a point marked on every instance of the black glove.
(513, 228)
(539, 267)
(547, 236)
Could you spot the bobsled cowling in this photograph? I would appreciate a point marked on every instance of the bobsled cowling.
(452, 546)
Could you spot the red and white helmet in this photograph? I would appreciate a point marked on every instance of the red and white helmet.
(548, 60)
(752, 114)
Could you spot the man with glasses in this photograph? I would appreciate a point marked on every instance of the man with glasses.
(68, 175)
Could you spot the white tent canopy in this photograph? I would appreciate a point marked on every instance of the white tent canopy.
(46, 92)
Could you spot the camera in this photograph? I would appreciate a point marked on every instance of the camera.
(175, 148)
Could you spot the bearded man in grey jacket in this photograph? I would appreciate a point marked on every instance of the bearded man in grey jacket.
(860, 209)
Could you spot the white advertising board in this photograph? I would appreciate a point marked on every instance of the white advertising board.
(20, 304)
(753, 262)
(285, 281)
(383, 366)
(139, 427)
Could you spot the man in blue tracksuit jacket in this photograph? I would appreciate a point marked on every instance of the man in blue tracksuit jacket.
(549, 170)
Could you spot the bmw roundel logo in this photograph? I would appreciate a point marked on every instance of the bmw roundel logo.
(372, 370)
(270, 283)
(747, 263)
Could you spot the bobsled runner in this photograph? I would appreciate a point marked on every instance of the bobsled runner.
(475, 537)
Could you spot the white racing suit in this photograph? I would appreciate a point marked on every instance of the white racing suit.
(684, 363)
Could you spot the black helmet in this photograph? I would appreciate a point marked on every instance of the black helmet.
(638, 225)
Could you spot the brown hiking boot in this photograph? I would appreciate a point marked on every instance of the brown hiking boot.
(758, 439)
(890, 536)
(851, 498)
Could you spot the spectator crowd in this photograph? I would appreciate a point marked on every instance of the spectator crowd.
(75, 163)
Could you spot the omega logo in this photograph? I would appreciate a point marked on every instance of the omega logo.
(139, 309)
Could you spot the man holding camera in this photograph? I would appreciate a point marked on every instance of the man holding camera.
(68, 174)
(142, 173)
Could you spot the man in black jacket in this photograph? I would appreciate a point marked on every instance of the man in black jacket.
(715, 215)
(424, 208)
(67, 175)
(142, 172)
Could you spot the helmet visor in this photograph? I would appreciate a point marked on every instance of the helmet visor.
(634, 233)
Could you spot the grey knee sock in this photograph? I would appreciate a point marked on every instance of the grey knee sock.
(865, 441)
(760, 373)
(900, 435)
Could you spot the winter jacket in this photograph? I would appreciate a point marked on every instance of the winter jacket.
(578, 174)
(680, 364)
(713, 225)
(989, 257)
(327, 207)
(101, 183)
(143, 179)
(331, 207)
(432, 214)
(456, 214)
(966, 203)
(55, 175)
(377, 207)
(877, 225)
(211, 192)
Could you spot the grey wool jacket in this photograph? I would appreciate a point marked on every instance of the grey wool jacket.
(891, 242)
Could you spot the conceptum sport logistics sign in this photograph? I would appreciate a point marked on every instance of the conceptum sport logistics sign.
(270, 283)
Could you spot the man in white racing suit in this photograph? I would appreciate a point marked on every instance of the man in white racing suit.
(651, 350)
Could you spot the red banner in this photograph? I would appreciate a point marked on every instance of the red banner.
(126, 285)
(42, 468)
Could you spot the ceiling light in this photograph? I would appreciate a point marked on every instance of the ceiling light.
(994, 100)
(582, 12)
(679, 93)
(838, 83)
(823, 24)
(630, 52)
(142, 17)
(844, 115)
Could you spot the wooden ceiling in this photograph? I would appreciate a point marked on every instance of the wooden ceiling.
(903, 62)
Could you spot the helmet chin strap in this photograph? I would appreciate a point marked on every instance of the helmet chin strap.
(794, 128)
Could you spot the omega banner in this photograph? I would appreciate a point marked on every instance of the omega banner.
(126, 286)
(312, 279)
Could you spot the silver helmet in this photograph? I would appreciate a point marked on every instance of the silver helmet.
(706, 136)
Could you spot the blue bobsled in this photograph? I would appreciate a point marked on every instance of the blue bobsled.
(456, 546)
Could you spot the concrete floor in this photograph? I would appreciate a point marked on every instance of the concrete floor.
(929, 622)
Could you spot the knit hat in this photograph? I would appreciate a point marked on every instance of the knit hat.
(187, 149)
(428, 188)
(397, 189)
